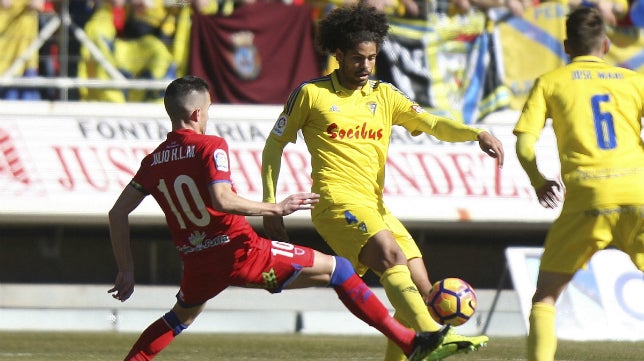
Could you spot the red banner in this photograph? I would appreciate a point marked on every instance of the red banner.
(257, 55)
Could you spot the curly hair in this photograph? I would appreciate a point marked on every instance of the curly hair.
(345, 27)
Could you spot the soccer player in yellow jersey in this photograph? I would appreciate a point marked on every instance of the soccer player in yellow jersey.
(346, 120)
(596, 111)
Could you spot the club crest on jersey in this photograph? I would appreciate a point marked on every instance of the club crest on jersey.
(245, 57)
(372, 107)
(417, 108)
(280, 125)
(221, 160)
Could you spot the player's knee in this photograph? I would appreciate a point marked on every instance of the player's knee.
(343, 270)
(173, 321)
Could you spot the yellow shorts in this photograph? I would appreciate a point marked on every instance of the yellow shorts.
(346, 229)
(576, 236)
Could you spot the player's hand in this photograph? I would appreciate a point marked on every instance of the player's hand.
(491, 146)
(274, 228)
(123, 286)
(299, 201)
(549, 194)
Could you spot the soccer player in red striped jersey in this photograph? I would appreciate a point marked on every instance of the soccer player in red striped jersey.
(189, 176)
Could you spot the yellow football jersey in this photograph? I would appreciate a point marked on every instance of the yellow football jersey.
(347, 134)
(596, 112)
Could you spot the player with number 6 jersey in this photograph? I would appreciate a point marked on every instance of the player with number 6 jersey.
(189, 176)
(596, 111)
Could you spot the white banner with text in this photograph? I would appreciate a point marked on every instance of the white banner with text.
(68, 162)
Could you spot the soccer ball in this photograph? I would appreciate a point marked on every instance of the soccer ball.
(451, 301)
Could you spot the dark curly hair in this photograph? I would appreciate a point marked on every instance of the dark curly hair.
(345, 27)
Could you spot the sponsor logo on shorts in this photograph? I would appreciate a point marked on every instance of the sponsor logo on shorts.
(270, 279)
(350, 218)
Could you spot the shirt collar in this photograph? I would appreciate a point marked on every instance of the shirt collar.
(588, 58)
(184, 131)
(338, 88)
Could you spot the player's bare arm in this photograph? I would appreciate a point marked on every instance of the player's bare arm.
(225, 200)
(119, 226)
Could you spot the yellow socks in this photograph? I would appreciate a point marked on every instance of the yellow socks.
(404, 296)
(542, 340)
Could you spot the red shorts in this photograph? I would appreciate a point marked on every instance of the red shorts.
(258, 263)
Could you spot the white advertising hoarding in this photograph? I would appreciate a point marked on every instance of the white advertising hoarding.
(69, 161)
(602, 302)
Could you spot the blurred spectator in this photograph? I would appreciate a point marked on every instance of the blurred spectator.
(398, 8)
(515, 7)
(137, 38)
(402, 8)
(637, 13)
(143, 39)
(18, 29)
(48, 64)
(226, 7)
(406, 8)
(58, 54)
(612, 11)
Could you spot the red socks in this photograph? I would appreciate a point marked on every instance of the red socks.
(154, 339)
(361, 301)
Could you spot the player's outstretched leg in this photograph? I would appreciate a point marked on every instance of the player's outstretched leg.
(361, 301)
(454, 343)
(426, 342)
(156, 337)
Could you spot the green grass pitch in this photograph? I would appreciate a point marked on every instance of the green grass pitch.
(95, 346)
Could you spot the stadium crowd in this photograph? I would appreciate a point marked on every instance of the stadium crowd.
(156, 40)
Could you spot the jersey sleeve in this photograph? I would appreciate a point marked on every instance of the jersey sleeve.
(139, 187)
(141, 181)
(285, 130)
(218, 164)
(534, 113)
(417, 120)
(293, 116)
(527, 158)
(271, 164)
